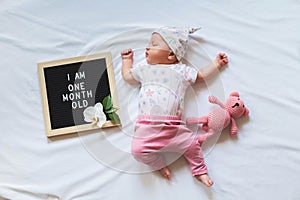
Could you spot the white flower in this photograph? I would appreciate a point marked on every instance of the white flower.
(95, 115)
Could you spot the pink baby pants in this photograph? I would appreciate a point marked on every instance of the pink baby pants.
(155, 135)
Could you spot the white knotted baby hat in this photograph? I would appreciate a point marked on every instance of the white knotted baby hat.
(177, 38)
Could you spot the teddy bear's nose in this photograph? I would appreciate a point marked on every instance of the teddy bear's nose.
(236, 104)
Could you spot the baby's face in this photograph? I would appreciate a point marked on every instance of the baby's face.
(157, 51)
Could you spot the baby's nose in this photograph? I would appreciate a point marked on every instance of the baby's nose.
(147, 48)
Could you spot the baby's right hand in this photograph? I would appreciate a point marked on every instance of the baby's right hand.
(127, 54)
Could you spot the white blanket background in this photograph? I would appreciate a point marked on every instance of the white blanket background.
(262, 41)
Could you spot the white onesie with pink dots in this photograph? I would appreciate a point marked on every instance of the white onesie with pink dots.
(163, 87)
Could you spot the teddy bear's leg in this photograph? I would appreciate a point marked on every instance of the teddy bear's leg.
(203, 137)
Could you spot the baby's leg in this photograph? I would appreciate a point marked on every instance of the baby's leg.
(153, 159)
(165, 172)
(204, 178)
(147, 154)
(195, 158)
(147, 148)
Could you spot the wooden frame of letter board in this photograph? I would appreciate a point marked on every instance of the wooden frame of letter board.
(77, 128)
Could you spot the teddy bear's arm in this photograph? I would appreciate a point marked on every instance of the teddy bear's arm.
(215, 100)
(234, 129)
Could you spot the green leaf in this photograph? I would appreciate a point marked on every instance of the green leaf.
(107, 103)
(114, 118)
(112, 110)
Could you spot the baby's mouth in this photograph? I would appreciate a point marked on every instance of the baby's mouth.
(146, 54)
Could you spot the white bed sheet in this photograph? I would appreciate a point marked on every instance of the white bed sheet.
(262, 41)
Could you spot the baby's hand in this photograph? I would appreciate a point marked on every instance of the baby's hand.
(127, 54)
(221, 60)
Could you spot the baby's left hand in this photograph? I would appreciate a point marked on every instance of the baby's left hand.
(221, 60)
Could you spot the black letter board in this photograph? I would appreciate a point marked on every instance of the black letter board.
(71, 85)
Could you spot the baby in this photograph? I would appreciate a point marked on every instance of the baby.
(164, 80)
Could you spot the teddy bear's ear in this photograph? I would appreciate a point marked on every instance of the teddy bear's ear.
(246, 112)
(234, 94)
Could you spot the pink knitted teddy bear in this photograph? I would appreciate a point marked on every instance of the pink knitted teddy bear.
(220, 118)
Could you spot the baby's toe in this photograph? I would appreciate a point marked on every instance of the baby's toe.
(210, 183)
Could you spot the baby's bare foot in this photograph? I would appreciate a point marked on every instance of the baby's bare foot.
(165, 172)
(221, 60)
(204, 178)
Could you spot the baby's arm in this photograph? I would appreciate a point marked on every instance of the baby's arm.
(213, 68)
(127, 61)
